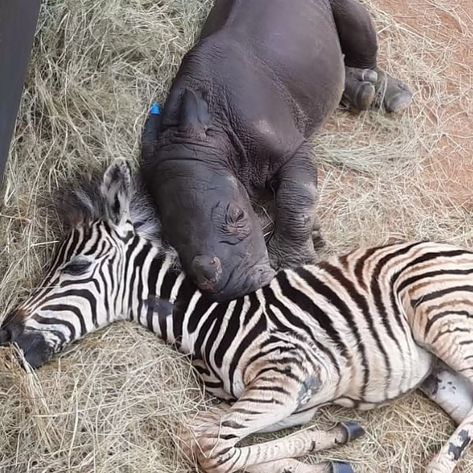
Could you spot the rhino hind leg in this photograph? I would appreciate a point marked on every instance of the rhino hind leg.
(374, 89)
(366, 85)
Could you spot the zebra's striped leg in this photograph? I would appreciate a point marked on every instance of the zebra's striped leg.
(300, 444)
(298, 418)
(451, 341)
(216, 452)
(273, 393)
(289, 465)
(450, 391)
(215, 436)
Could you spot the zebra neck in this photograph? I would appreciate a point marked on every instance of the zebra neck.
(165, 300)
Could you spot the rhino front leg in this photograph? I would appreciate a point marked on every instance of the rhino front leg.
(296, 228)
(366, 85)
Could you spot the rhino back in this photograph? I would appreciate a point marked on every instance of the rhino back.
(272, 72)
(294, 43)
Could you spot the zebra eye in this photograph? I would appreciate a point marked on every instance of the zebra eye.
(76, 267)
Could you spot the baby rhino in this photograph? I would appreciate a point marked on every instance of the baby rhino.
(263, 77)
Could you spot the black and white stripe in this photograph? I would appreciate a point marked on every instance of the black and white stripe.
(358, 330)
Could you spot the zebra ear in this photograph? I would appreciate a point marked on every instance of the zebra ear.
(117, 190)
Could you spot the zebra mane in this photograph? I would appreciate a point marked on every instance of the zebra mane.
(83, 201)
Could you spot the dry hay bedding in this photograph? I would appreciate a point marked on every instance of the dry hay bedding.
(112, 402)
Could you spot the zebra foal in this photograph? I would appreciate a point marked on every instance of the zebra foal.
(358, 330)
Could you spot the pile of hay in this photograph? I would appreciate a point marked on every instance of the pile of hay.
(112, 402)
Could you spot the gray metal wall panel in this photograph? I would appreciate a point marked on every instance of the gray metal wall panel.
(18, 20)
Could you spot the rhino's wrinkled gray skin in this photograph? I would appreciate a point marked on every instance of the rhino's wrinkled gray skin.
(264, 76)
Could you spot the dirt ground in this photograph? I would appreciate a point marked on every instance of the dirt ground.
(111, 403)
(448, 22)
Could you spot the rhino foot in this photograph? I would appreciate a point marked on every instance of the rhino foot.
(392, 95)
(286, 254)
(360, 88)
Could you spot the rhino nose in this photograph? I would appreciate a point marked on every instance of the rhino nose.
(207, 271)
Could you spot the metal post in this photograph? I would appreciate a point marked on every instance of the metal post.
(18, 19)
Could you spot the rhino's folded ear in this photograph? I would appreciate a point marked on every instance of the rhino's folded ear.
(194, 117)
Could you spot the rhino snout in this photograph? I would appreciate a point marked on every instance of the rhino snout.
(207, 271)
(239, 286)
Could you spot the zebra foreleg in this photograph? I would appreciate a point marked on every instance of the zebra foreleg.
(302, 443)
(212, 437)
(267, 401)
(290, 465)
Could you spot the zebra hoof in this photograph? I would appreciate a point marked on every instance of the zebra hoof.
(352, 429)
(342, 467)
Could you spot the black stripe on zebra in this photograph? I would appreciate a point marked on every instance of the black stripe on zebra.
(218, 313)
(438, 294)
(89, 280)
(210, 319)
(201, 307)
(360, 265)
(54, 321)
(344, 311)
(168, 283)
(426, 257)
(309, 306)
(138, 264)
(103, 269)
(432, 274)
(293, 321)
(68, 308)
(441, 315)
(184, 295)
(377, 293)
(259, 327)
(254, 306)
(234, 323)
(363, 306)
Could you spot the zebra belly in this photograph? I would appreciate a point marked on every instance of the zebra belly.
(406, 375)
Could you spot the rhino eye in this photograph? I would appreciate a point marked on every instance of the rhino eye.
(235, 215)
(76, 267)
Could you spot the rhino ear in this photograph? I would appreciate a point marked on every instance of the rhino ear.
(117, 190)
(194, 115)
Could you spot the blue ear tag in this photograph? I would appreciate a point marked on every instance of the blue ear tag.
(155, 109)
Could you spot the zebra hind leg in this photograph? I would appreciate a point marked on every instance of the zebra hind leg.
(450, 339)
(450, 391)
